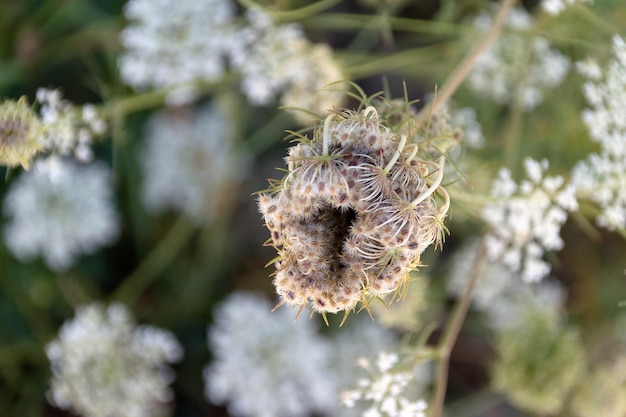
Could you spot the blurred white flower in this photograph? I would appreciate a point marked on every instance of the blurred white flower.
(264, 364)
(176, 42)
(465, 119)
(521, 301)
(68, 129)
(491, 284)
(190, 163)
(264, 57)
(506, 300)
(104, 365)
(601, 177)
(359, 337)
(516, 67)
(60, 209)
(310, 89)
(525, 220)
(277, 59)
(385, 389)
(555, 7)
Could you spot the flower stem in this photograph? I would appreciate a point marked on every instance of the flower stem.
(451, 333)
(462, 71)
(159, 257)
(512, 135)
(366, 65)
(347, 21)
(294, 14)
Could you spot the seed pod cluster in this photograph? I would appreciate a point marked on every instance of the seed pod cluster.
(352, 215)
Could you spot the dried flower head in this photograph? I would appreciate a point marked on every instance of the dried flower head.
(20, 133)
(353, 214)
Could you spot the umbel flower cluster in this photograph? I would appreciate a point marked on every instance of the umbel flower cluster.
(104, 364)
(59, 128)
(353, 214)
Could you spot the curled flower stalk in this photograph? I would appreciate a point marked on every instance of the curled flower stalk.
(353, 214)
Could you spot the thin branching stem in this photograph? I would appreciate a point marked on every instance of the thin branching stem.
(153, 264)
(293, 14)
(451, 333)
(462, 71)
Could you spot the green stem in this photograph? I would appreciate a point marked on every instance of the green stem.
(476, 404)
(396, 61)
(462, 71)
(295, 14)
(266, 136)
(39, 323)
(595, 20)
(512, 136)
(72, 290)
(344, 21)
(121, 107)
(451, 333)
(161, 255)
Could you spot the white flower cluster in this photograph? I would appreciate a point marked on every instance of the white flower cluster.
(359, 337)
(515, 68)
(556, 7)
(190, 163)
(266, 365)
(506, 301)
(104, 365)
(450, 122)
(180, 44)
(67, 129)
(492, 283)
(385, 390)
(60, 209)
(465, 119)
(525, 220)
(601, 176)
(175, 42)
(278, 58)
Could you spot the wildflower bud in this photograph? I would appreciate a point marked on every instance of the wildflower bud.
(20, 131)
(353, 214)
